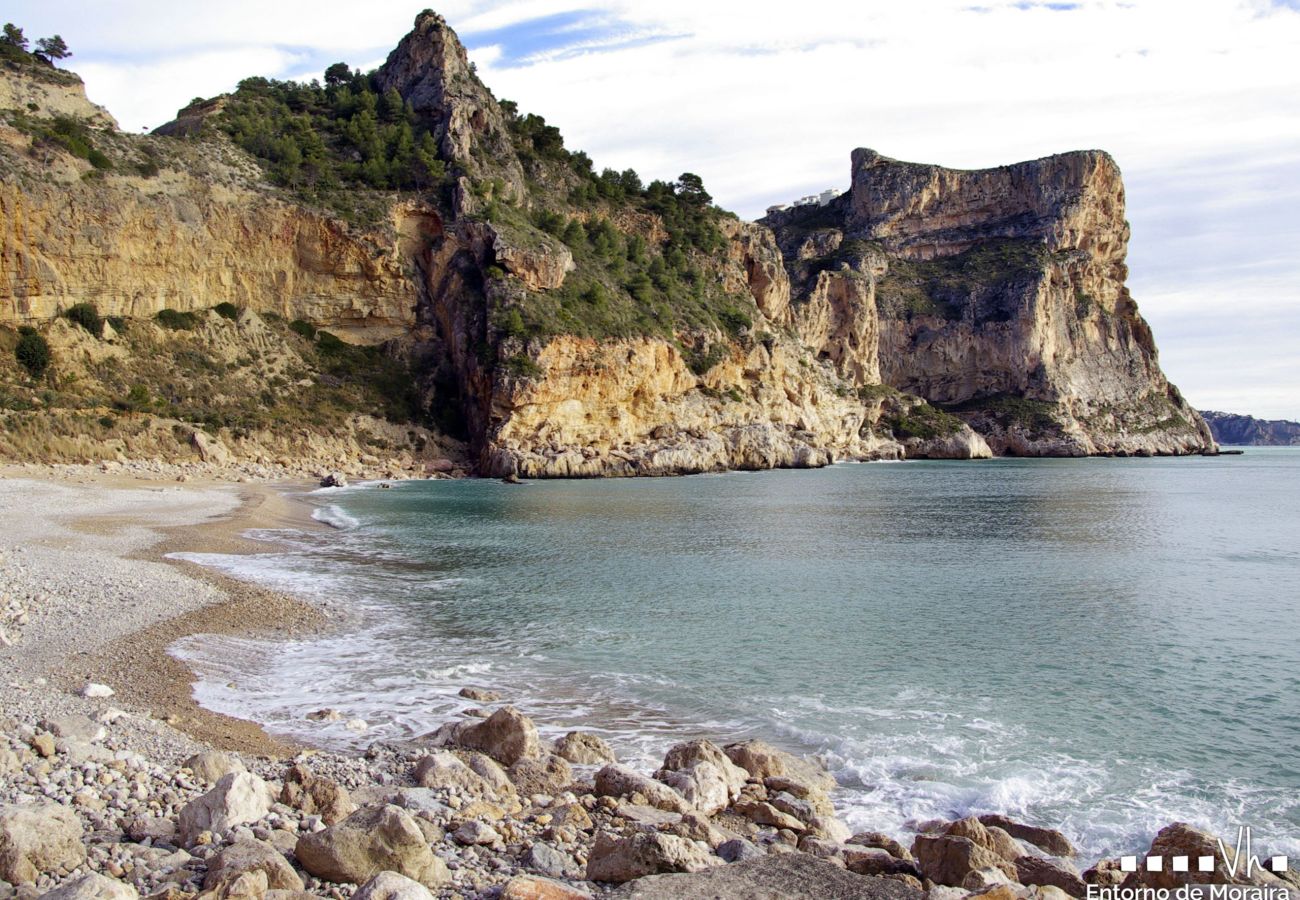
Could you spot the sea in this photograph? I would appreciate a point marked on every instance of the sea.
(1104, 646)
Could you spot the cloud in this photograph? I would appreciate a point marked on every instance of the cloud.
(1200, 105)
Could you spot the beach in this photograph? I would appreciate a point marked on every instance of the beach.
(161, 797)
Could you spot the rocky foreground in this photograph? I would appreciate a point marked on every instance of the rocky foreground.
(484, 808)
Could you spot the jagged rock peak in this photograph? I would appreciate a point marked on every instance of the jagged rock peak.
(431, 70)
(1069, 201)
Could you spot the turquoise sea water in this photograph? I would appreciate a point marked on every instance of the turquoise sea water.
(1101, 645)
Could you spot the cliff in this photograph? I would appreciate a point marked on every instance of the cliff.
(573, 323)
(999, 295)
(1230, 428)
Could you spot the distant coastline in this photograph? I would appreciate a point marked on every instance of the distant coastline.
(1242, 430)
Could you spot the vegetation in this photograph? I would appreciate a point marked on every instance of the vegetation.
(981, 280)
(1034, 416)
(65, 133)
(923, 421)
(174, 320)
(227, 311)
(32, 351)
(87, 316)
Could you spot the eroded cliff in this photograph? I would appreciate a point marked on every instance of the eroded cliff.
(586, 324)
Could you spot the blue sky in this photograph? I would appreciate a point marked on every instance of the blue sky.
(1199, 103)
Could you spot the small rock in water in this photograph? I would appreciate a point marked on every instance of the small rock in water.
(357, 725)
(325, 715)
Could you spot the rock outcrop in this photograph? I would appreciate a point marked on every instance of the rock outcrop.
(1230, 428)
(928, 313)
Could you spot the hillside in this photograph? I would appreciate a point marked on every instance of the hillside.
(1230, 428)
(569, 322)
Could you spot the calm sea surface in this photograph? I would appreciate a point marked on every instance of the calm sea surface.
(1101, 645)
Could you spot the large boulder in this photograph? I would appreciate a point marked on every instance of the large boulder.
(531, 887)
(443, 769)
(761, 813)
(1036, 870)
(316, 796)
(620, 781)
(92, 886)
(1048, 839)
(875, 861)
(881, 840)
(251, 856)
(211, 766)
(761, 760)
(38, 840)
(371, 840)
(948, 859)
(702, 773)
(785, 876)
(392, 886)
(237, 799)
(549, 774)
(989, 837)
(507, 736)
(584, 749)
(619, 859)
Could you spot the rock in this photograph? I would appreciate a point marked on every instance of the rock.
(316, 796)
(251, 856)
(38, 840)
(392, 886)
(95, 691)
(697, 827)
(76, 727)
(325, 715)
(491, 772)
(1048, 839)
(92, 886)
(619, 781)
(738, 850)
(371, 840)
(702, 773)
(761, 813)
(211, 765)
(475, 832)
(237, 799)
(978, 880)
(1036, 870)
(1106, 873)
(829, 828)
(584, 749)
(334, 479)
(442, 769)
(528, 887)
(507, 736)
(617, 860)
(549, 861)
(989, 837)
(43, 743)
(761, 760)
(948, 859)
(647, 815)
(210, 449)
(875, 861)
(248, 886)
(479, 695)
(881, 840)
(549, 774)
(142, 828)
(786, 876)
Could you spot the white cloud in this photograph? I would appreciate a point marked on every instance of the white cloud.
(1199, 103)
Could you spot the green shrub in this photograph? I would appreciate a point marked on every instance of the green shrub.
(174, 320)
(303, 328)
(924, 422)
(107, 421)
(32, 352)
(118, 323)
(329, 343)
(523, 366)
(227, 311)
(138, 396)
(701, 362)
(98, 160)
(87, 316)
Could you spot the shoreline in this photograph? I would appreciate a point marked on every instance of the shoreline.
(490, 826)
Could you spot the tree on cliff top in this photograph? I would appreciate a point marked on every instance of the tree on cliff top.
(13, 37)
(52, 48)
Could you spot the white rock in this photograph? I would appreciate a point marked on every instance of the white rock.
(237, 799)
(392, 886)
(92, 887)
(94, 691)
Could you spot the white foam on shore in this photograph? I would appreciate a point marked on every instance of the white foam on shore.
(335, 517)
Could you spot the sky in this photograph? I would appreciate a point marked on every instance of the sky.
(1197, 100)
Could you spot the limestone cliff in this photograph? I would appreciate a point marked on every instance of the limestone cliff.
(1231, 428)
(586, 324)
(998, 294)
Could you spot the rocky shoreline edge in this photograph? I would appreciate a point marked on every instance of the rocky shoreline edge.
(109, 790)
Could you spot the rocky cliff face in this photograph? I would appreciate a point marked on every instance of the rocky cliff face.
(638, 336)
(998, 294)
(1230, 428)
